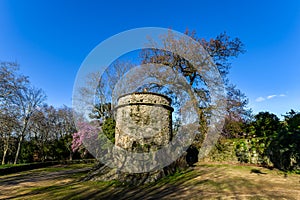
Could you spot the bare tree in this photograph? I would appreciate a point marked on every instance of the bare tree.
(42, 129)
(237, 113)
(28, 100)
(50, 126)
(100, 87)
(10, 81)
(7, 127)
(67, 127)
(194, 59)
(11, 84)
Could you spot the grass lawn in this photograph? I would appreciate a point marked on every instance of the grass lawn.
(11, 165)
(204, 181)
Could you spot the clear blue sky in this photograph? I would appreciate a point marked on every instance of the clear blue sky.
(50, 39)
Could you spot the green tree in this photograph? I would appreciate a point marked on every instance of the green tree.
(265, 125)
(292, 118)
(108, 128)
(285, 148)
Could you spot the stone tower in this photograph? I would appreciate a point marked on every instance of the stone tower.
(143, 124)
(143, 121)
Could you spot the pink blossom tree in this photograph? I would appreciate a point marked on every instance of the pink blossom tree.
(86, 132)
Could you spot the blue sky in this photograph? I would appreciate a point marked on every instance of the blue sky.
(50, 39)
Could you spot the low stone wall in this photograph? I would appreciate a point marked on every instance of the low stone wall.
(252, 151)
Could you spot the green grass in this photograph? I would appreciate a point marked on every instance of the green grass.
(58, 168)
(12, 165)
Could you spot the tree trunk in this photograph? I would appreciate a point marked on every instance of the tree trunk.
(18, 150)
(71, 155)
(5, 149)
(25, 123)
(4, 155)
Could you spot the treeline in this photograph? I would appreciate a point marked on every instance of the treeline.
(31, 130)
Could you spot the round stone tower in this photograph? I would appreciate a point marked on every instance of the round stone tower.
(143, 121)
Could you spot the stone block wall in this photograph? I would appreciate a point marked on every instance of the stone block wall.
(143, 121)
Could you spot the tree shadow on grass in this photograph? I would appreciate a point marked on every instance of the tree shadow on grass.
(257, 171)
(167, 187)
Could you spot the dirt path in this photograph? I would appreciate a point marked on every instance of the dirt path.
(204, 181)
(15, 185)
